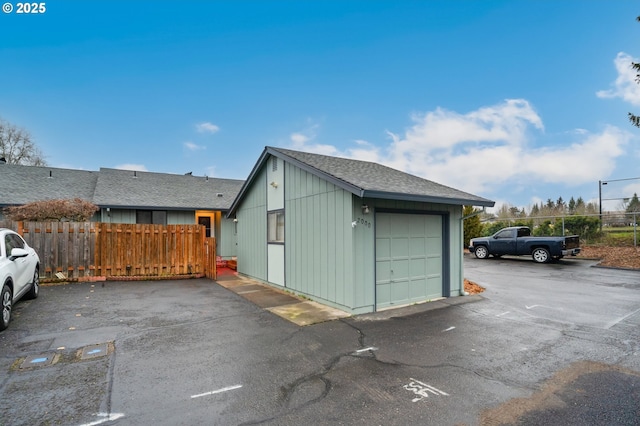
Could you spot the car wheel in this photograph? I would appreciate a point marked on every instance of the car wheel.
(7, 300)
(35, 285)
(540, 255)
(481, 252)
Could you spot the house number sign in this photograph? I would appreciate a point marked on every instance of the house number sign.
(363, 222)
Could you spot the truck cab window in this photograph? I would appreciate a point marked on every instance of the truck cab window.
(507, 233)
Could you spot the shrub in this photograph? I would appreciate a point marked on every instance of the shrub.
(73, 210)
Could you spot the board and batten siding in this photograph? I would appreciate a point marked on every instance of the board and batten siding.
(318, 239)
(252, 229)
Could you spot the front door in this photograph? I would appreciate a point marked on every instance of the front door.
(206, 221)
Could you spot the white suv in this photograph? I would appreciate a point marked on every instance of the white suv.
(19, 272)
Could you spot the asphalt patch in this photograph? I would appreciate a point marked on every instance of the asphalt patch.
(585, 393)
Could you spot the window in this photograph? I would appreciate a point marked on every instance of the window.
(275, 226)
(507, 233)
(156, 217)
(12, 241)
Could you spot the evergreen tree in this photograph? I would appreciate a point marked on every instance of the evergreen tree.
(535, 210)
(634, 204)
(472, 225)
(572, 206)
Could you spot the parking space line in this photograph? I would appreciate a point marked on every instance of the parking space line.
(370, 348)
(228, 388)
(106, 417)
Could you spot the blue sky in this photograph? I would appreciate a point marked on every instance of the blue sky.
(516, 101)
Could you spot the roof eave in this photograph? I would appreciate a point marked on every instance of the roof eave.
(429, 199)
(172, 208)
(247, 183)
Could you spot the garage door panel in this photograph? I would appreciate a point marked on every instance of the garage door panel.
(433, 226)
(383, 226)
(413, 242)
(400, 247)
(400, 269)
(434, 286)
(434, 265)
(383, 294)
(434, 245)
(418, 268)
(399, 292)
(417, 246)
(383, 248)
(383, 272)
(417, 289)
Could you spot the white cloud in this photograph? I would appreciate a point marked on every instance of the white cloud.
(130, 166)
(193, 147)
(207, 127)
(631, 189)
(625, 85)
(488, 149)
(299, 138)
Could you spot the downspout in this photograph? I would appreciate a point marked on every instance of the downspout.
(462, 219)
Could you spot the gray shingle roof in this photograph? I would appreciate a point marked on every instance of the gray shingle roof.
(367, 179)
(124, 188)
(24, 184)
(116, 188)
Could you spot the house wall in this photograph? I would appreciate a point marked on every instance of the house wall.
(179, 217)
(319, 239)
(117, 216)
(174, 217)
(252, 229)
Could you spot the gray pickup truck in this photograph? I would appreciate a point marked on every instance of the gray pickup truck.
(517, 240)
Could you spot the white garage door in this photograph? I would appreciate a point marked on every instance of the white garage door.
(408, 258)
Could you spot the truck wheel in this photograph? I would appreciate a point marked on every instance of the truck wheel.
(481, 252)
(540, 255)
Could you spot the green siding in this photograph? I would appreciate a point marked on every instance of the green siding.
(252, 229)
(318, 239)
(228, 246)
(179, 217)
(119, 216)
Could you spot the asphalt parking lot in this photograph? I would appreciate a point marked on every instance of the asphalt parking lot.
(545, 344)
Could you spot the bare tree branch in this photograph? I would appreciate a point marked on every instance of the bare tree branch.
(17, 146)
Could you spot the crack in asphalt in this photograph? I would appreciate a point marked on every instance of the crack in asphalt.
(287, 392)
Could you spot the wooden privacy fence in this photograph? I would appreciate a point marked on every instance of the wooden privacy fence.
(81, 250)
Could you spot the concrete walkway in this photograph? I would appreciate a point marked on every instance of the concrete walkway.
(286, 305)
